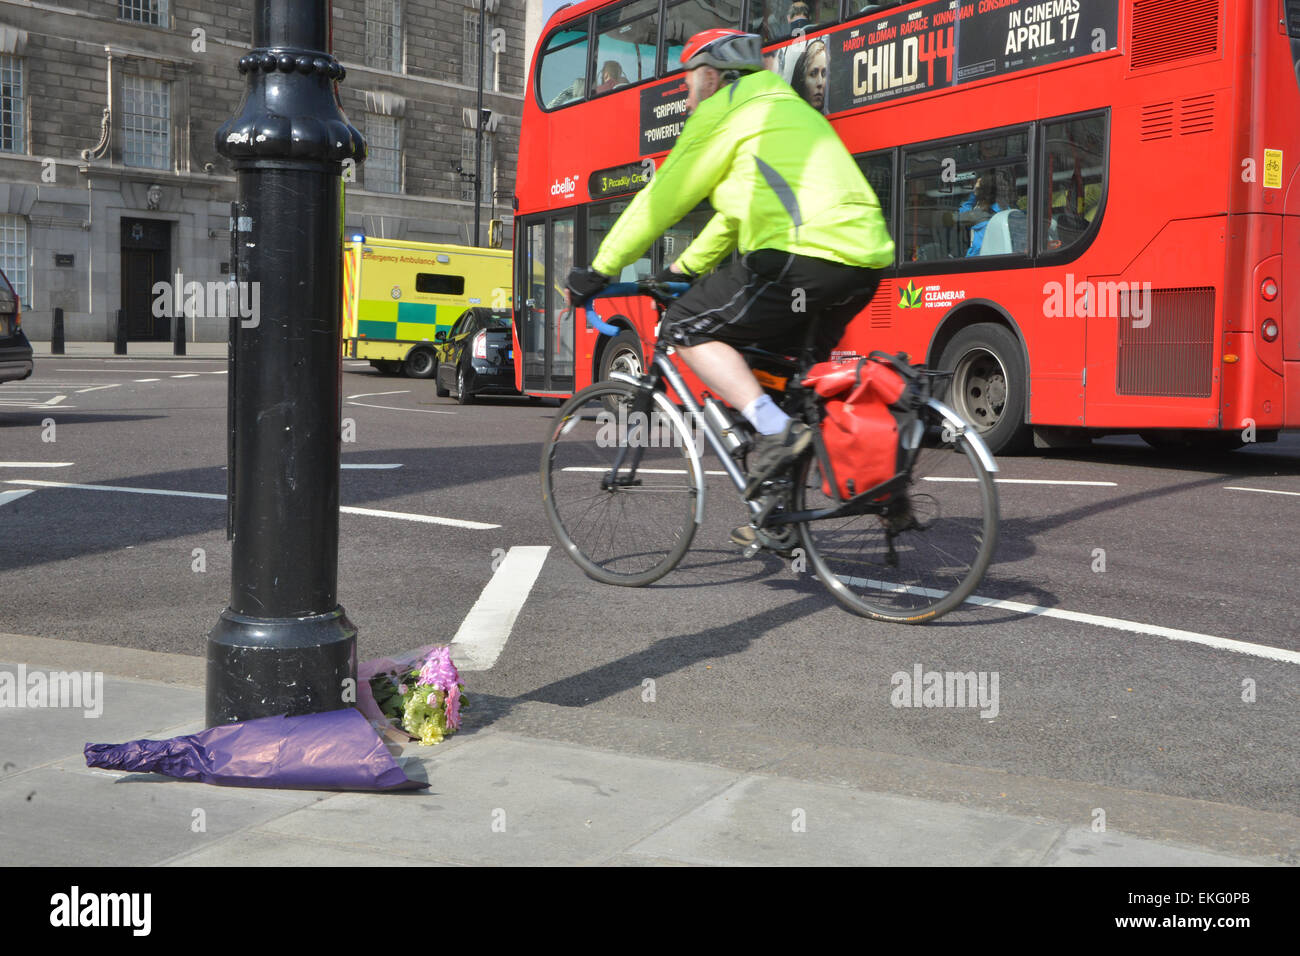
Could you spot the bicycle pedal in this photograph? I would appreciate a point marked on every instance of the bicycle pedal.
(752, 549)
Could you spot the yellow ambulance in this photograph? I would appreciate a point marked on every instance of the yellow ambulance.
(398, 295)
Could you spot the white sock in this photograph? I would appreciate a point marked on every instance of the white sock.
(766, 418)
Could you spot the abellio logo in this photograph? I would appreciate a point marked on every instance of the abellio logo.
(565, 186)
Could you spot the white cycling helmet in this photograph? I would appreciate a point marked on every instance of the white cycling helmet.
(724, 49)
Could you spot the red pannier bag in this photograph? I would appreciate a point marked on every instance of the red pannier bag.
(860, 431)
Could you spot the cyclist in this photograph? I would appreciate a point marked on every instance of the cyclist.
(788, 196)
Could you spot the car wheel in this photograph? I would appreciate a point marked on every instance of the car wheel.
(463, 395)
(989, 385)
(420, 364)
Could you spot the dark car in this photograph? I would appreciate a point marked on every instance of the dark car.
(476, 357)
(15, 350)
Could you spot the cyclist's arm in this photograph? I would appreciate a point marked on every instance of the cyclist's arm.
(711, 246)
(698, 162)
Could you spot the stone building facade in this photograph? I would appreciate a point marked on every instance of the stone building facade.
(109, 176)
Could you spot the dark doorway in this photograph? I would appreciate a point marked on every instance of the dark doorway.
(146, 259)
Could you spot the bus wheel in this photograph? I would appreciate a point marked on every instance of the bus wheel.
(989, 385)
(420, 364)
(622, 354)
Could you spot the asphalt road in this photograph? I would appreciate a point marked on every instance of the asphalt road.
(723, 642)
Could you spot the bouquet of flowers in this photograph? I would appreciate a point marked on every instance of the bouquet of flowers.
(422, 694)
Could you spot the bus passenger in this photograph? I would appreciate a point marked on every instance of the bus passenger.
(793, 202)
(611, 77)
(978, 210)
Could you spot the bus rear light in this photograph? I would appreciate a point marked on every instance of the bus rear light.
(480, 344)
(1268, 289)
(1269, 330)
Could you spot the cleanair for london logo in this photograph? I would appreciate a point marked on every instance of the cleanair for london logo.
(911, 296)
(565, 186)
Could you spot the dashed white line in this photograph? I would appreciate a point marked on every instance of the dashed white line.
(7, 497)
(1263, 491)
(1033, 481)
(396, 408)
(187, 375)
(371, 467)
(55, 400)
(36, 464)
(648, 471)
(365, 512)
(1098, 620)
(98, 388)
(483, 633)
(141, 380)
(400, 391)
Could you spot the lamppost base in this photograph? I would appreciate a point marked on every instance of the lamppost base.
(260, 667)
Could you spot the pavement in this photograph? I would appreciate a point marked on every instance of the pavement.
(529, 783)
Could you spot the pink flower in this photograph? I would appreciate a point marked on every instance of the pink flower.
(401, 688)
(453, 707)
(439, 671)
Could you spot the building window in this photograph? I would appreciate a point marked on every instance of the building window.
(384, 34)
(146, 123)
(152, 12)
(467, 141)
(13, 126)
(383, 168)
(470, 58)
(13, 254)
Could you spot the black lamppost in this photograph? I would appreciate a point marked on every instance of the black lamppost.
(284, 645)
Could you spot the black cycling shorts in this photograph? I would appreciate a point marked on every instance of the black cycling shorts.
(774, 300)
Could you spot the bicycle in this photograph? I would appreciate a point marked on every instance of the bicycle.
(907, 550)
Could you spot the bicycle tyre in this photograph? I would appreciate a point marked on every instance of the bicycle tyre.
(938, 564)
(596, 523)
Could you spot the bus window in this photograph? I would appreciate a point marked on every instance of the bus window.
(626, 41)
(675, 240)
(878, 168)
(961, 193)
(560, 319)
(1074, 169)
(776, 20)
(685, 18)
(562, 78)
(600, 219)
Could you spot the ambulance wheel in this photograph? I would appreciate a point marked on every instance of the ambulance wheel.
(420, 364)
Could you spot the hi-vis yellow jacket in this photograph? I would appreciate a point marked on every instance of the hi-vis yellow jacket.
(777, 175)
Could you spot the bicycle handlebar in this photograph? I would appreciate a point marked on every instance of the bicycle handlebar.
(648, 287)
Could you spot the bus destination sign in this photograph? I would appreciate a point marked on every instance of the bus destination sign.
(950, 42)
(620, 180)
(663, 113)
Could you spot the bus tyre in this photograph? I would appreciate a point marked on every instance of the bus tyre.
(622, 354)
(989, 385)
(420, 364)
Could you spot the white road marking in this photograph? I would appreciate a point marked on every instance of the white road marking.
(376, 467)
(395, 408)
(124, 371)
(62, 408)
(1033, 481)
(1098, 620)
(187, 375)
(7, 497)
(1264, 491)
(36, 464)
(365, 512)
(483, 633)
(423, 519)
(98, 388)
(147, 380)
(649, 471)
(400, 391)
(55, 400)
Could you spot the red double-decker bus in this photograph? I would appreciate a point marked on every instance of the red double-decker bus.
(1094, 202)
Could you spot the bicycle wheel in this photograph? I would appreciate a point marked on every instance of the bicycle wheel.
(921, 562)
(631, 526)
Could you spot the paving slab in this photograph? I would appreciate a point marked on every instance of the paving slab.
(512, 801)
(1080, 846)
(260, 848)
(54, 817)
(771, 821)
